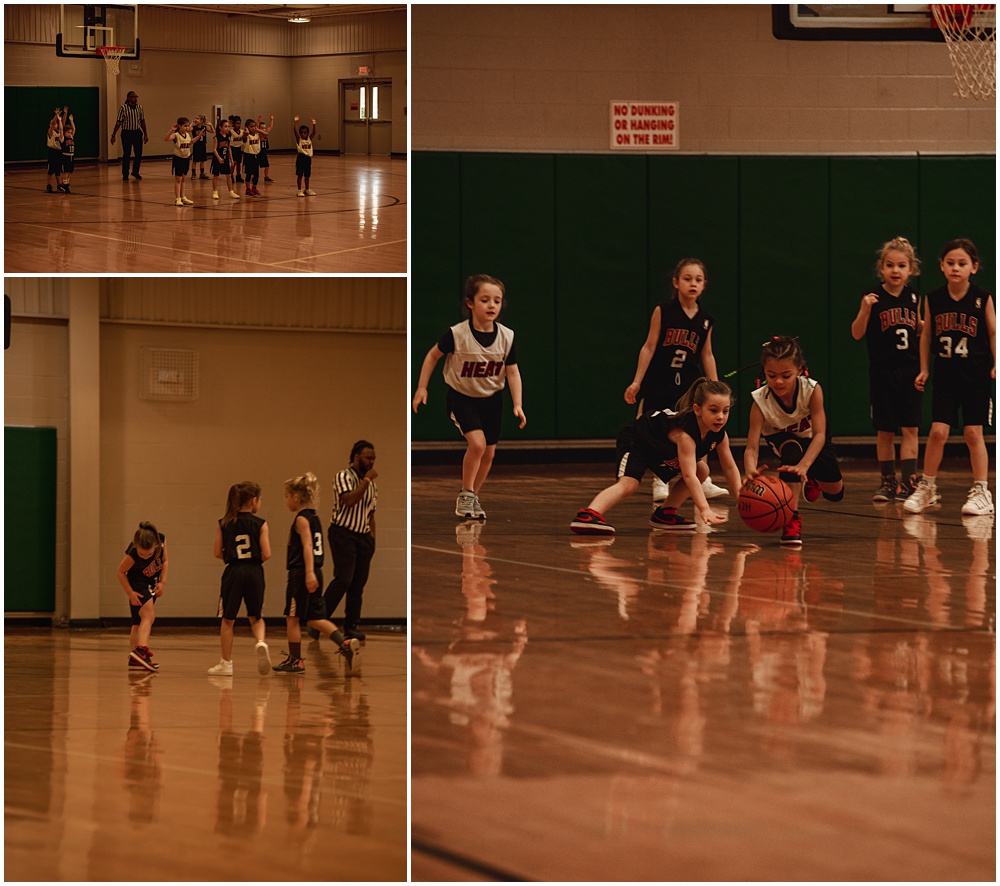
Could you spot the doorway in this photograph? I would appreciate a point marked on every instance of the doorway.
(367, 116)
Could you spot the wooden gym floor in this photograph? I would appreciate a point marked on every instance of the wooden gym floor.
(700, 706)
(117, 775)
(355, 224)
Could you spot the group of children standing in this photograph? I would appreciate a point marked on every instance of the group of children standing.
(682, 417)
(61, 143)
(242, 542)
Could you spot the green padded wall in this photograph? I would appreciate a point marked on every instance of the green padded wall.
(29, 496)
(586, 243)
(29, 110)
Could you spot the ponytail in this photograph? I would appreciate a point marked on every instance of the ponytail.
(240, 494)
(699, 392)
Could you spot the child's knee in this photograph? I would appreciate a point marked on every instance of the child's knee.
(702, 471)
(973, 434)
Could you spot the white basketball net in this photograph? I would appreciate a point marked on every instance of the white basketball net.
(970, 31)
(113, 56)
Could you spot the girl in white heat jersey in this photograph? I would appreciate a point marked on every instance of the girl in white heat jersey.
(788, 413)
(480, 361)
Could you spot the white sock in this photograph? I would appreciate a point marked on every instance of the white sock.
(931, 481)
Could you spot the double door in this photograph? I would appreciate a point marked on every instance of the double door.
(367, 116)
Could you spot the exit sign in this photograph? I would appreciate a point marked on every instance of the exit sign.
(364, 70)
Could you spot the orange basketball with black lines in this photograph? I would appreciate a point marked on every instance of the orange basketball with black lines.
(765, 503)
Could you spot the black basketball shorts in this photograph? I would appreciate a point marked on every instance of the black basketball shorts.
(299, 603)
(242, 582)
(476, 414)
(181, 165)
(953, 393)
(790, 448)
(895, 401)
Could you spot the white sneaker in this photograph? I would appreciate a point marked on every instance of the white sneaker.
(477, 509)
(465, 504)
(215, 195)
(263, 659)
(300, 193)
(222, 669)
(921, 498)
(660, 490)
(712, 491)
(234, 195)
(178, 202)
(310, 192)
(187, 201)
(978, 503)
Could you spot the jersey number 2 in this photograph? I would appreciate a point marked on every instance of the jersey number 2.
(243, 551)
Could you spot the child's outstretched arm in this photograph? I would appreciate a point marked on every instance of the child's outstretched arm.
(295, 126)
(313, 135)
(516, 392)
(430, 361)
(645, 356)
(687, 455)
(752, 451)
(169, 137)
(860, 324)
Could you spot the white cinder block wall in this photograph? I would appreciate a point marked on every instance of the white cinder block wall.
(272, 404)
(540, 78)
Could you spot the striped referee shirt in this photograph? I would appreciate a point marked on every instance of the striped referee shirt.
(130, 117)
(357, 518)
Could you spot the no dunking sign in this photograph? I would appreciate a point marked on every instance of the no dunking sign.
(645, 126)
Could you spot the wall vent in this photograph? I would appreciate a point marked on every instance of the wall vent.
(168, 374)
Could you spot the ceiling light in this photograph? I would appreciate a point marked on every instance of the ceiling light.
(299, 19)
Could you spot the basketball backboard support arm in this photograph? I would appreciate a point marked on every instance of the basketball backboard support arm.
(869, 21)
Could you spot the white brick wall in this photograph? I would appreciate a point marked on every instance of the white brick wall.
(539, 78)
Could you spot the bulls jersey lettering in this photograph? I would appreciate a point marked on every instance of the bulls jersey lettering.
(959, 337)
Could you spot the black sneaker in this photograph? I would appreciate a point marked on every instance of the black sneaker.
(887, 489)
(589, 522)
(239, 178)
(49, 190)
(290, 666)
(668, 518)
(136, 176)
(351, 650)
(203, 177)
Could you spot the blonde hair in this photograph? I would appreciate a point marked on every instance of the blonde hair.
(304, 488)
(898, 244)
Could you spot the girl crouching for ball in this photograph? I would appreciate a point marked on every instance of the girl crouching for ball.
(143, 574)
(788, 413)
(243, 542)
(303, 605)
(670, 444)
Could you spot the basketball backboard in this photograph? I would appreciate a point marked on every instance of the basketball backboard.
(854, 21)
(82, 29)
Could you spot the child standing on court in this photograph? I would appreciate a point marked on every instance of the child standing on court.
(180, 134)
(221, 159)
(303, 605)
(788, 413)
(199, 152)
(671, 445)
(480, 360)
(303, 159)
(142, 574)
(889, 321)
(237, 134)
(242, 541)
(251, 158)
(265, 164)
(960, 328)
(68, 150)
(53, 141)
(680, 333)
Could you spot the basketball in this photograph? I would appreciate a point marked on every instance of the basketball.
(765, 504)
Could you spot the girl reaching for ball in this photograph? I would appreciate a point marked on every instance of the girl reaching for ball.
(788, 413)
(670, 444)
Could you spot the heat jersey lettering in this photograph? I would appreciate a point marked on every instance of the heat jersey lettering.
(480, 369)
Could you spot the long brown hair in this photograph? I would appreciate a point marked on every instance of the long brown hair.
(240, 495)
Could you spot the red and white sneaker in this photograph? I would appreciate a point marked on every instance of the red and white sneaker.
(668, 518)
(792, 533)
(811, 491)
(144, 657)
(589, 522)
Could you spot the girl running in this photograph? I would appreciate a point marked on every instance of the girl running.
(480, 360)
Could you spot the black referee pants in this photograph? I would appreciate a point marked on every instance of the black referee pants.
(352, 554)
(131, 143)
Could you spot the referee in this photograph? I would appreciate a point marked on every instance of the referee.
(132, 123)
(352, 536)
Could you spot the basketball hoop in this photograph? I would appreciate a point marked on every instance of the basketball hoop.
(112, 55)
(969, 29)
